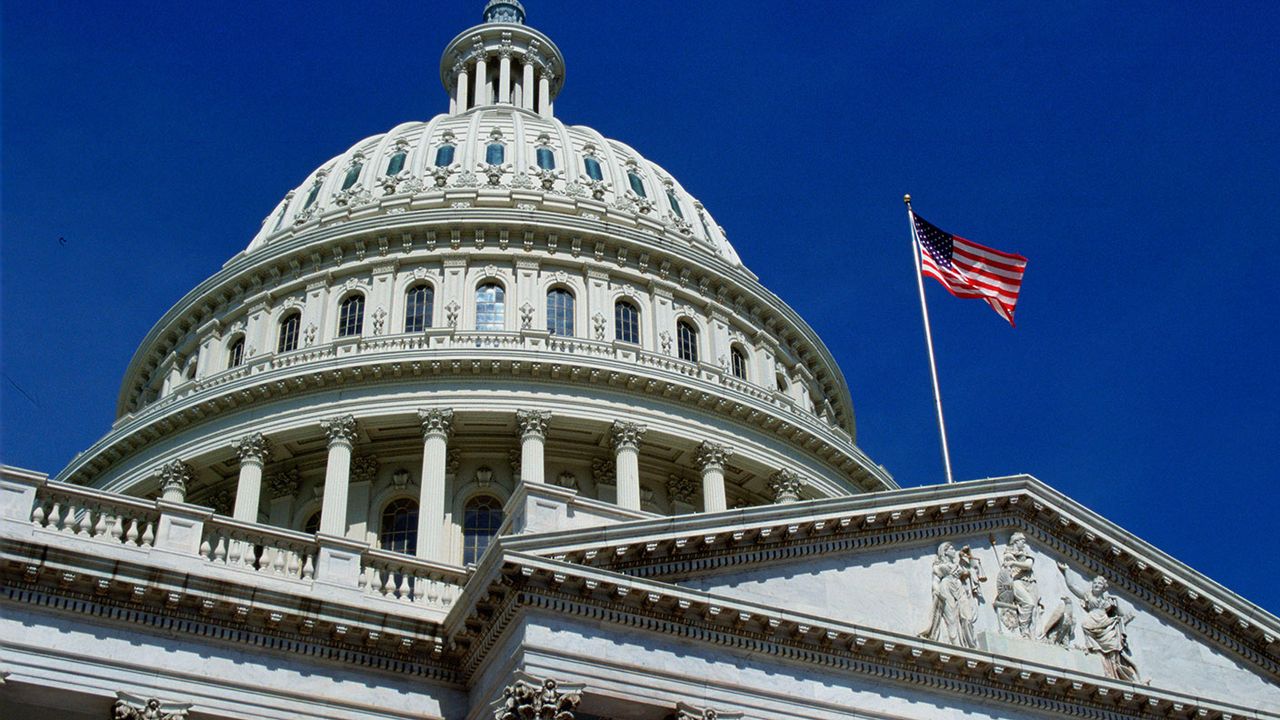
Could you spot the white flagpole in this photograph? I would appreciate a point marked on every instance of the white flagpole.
(928, 338)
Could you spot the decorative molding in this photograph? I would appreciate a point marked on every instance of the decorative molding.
(364, 468)
(283, 483)
(682, 489)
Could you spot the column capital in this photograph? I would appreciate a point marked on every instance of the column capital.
(174, 477)
(712, 455)
(532, 699)
(131, 707)
(340, 429)
(533, 422)
(626, 434)
(436, 422)
(252, 448)
(786, 486)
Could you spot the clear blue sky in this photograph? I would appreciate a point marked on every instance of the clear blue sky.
(1128, 150)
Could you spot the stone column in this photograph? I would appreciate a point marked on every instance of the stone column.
(462, 90)
(526, 92)
(711, 458)
(253, 450)
(533, 438)
(626, 446)
(173, 478)
(436, 426)
(544, 95)
(482, 83)
(504, 76)
(337, 475)
(786, 486)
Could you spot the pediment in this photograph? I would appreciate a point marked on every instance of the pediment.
(945, 565)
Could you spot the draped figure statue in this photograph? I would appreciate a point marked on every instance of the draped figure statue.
(1017, 602)
(1104, 627)
(955, 577)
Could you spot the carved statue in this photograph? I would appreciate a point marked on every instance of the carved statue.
(1017, 602)
(132, 707)
(1104, 627)
(956, 575)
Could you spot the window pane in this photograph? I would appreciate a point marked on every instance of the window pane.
(351, 316)
(495, 153)
(288, 339)
(593, 168)
(482, 517)
(417, 308)
(687, 338)
(396, 164)
(490, 308)
(311, 196)
(444, 156)
(626, 322)
(560, 312)
(739, 363)
(399, 529)
(236, 354)
(352, 175)
(637, 185)
(546, 159)
(675, 204)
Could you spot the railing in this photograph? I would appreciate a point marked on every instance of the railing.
(398, 577)
(259, 548)
(92, 514)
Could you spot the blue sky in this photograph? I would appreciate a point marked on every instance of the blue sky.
(1129, 151)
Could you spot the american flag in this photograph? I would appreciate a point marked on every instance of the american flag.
(969, 270)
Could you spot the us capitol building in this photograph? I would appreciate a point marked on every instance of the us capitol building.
(490, 421)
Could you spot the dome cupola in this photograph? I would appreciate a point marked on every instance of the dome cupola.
(502, 61)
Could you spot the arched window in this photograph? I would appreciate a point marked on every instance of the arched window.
(491, 307)
(398, 530)
(192, 365)
(444, 156)
(592, 167)
(560, 312)
(312, 525)
(351, 316)
(546, 158)
(288, 336)
(738, 362)
(396, 163)
(481, 519)
(687, 340)
(418, 303)
(311, 196)
(235, 354)
(780, 381)
(353, 174)
(675, 204)
(626, 322)
(637, 185)
(495, 153)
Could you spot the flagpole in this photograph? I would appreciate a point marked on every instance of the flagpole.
(928, 338)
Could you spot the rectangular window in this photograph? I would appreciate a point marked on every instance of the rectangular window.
(593, 168)
(495, 153)
(444, 156)
(546, 158)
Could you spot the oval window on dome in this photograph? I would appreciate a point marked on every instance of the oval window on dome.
(546, 158)
(444, 156)
(592, 167)
(396, 164)
(495, 153)
(353, 174)
(675, 204)
(637, 185)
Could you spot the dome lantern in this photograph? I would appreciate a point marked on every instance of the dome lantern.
(502, 62)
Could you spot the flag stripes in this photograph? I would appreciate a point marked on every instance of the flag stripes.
(969, 270)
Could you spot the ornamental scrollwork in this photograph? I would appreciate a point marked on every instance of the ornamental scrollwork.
(681, 489)
(523, 700)
(364, 468)
(132, 707)
(283, 484)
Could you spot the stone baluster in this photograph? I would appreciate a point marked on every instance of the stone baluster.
(786, 486)
(533, 438)
(174, 478)
(333, 508)
(626, 446)
(436, 426)
(253, 450)
(711, 458)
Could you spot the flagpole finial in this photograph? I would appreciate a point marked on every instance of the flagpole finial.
(906, 199)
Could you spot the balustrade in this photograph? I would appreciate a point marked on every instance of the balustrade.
(259, 548)
(401, 578)
(92, 514)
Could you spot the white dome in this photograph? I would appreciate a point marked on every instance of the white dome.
(407, 161)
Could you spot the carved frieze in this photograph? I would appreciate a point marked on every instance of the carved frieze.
(133, 707)
(523, 700)
(1103, 626)
(956, 575)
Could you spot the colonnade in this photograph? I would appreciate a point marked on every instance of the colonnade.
(473, 88)
(626, 439)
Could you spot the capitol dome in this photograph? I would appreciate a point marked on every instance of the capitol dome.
(462, 304)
